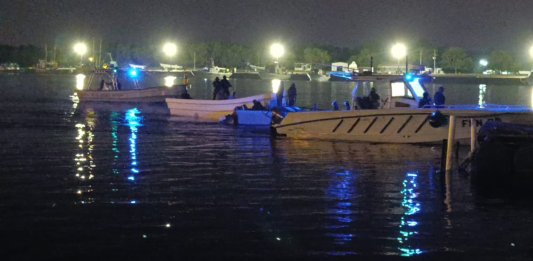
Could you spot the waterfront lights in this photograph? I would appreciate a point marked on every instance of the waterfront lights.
(80, 81)
(170, 49)
(277, 50)
(483, 62)
(399, 51)
(80, 49)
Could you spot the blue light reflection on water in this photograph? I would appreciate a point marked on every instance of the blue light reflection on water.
(133, 121)
(114, 143)
(341, 191)
(408, 223)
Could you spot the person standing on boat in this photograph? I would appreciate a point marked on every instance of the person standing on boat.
(374, 98)
(216, 88)
(186, 81)
(424, 101)
(439, 97)
(292, 95)
(225, 85)
(279, 95)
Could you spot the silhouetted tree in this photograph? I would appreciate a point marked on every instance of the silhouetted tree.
(456, 60)
(502, 61)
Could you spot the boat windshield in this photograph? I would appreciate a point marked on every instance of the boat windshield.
(399, 89)
(417, 87)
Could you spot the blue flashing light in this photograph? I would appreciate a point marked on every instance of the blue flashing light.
(131, 178)
(133, 73)
(409, 77)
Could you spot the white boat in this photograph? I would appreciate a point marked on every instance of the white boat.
(210, 110)
(399, 120)
(152, 94)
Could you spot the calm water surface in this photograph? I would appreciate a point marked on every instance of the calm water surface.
(80, 181)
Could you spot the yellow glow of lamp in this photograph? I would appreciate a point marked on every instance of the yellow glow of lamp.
(399, 51)
(80, 48)
(277, 50)
(80, 81)
(170, 49)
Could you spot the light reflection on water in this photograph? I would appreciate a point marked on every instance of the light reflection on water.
(341, 192)
(408, 222)
(133, 121)
(84, 159)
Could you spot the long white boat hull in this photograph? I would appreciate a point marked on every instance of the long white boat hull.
(389, 126)
(154, 94)
(209, 110)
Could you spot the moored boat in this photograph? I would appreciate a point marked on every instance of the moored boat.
(398, 120)
(210, 110)
(152, 94)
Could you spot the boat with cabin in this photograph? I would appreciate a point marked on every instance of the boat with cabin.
(398, 118)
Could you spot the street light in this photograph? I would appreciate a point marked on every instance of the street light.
(170, 49)
(483, 62)
(399, 51)
(277, 50)
(80, 49)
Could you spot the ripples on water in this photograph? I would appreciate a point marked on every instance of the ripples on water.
(82, 181)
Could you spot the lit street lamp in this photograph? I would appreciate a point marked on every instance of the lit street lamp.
(277, 51)
(80, 49)
(399, 51)
(170, 49)
(483, 62)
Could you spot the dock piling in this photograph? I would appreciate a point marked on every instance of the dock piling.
(473, 136)
(451, 138)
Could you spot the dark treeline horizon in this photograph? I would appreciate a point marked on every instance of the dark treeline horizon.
(236, 55)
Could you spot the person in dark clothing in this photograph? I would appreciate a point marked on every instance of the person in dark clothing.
(279, 95)
(258, 106)
(439, 97)
(185, 95)
(225, 85)
(216, 88)
(424, 101)
(374, 99)
(292, 95)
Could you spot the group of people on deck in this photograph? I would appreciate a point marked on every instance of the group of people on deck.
(439, 99)
(372, 101)
(221, 89)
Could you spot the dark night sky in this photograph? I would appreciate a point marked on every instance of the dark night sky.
(471, 24)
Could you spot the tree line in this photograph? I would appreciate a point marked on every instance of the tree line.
(451, 60)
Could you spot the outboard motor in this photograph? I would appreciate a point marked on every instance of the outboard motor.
(437, 119)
